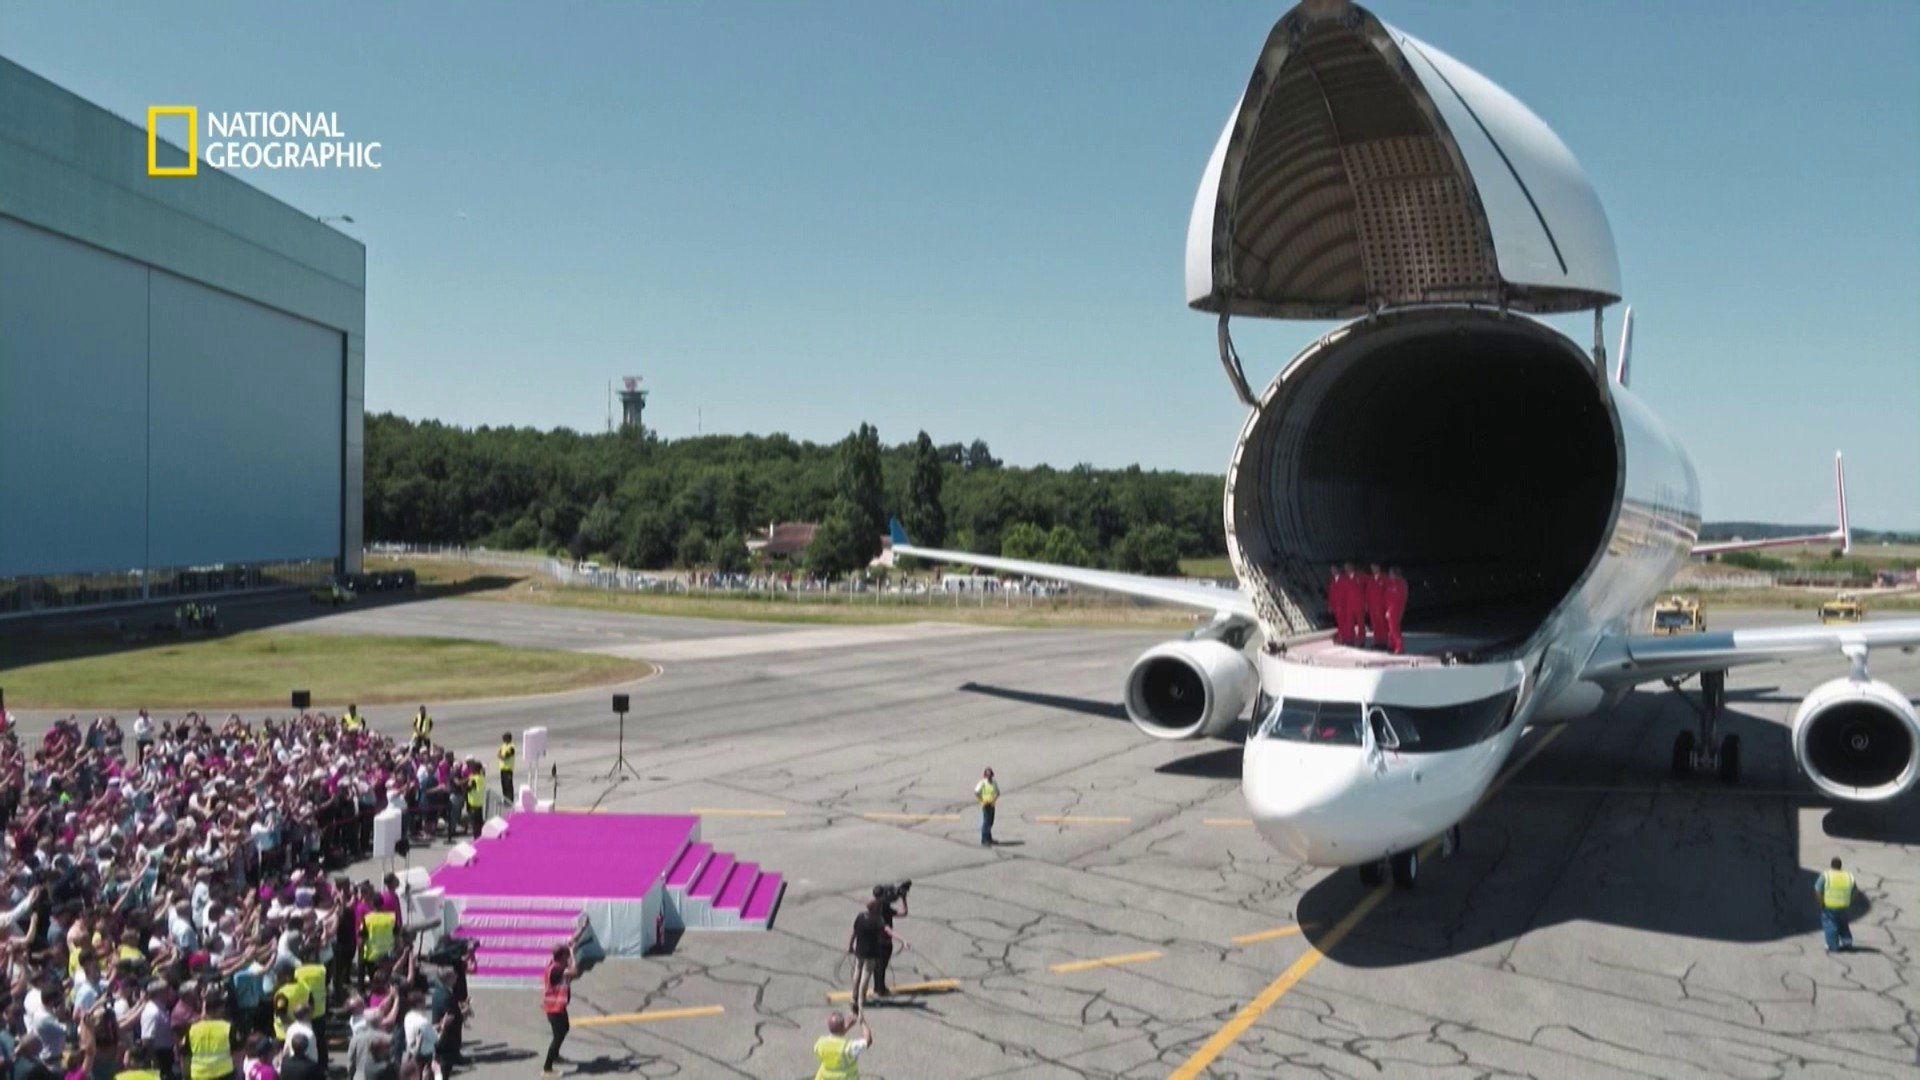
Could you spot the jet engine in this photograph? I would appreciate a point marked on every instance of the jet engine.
(1858, 740)
(1190, 689)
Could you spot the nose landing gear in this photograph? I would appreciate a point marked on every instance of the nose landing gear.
(1697, 753)
(1404, 867)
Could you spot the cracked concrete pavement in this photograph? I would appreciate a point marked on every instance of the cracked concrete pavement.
(1600, 919)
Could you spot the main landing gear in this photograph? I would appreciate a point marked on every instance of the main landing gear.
(1404, 867)
(1698, 753)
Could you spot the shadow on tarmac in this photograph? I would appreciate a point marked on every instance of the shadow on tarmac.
(1087, 706)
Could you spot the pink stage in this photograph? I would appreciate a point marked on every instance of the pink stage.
(625, 876)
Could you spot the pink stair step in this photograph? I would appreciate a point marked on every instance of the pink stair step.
(713, 877)
(764, 898)
(519, 918)
(739, 885)
(690, 863)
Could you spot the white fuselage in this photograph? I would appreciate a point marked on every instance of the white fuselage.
(1345, 799)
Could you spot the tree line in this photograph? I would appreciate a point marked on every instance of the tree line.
(652, 503)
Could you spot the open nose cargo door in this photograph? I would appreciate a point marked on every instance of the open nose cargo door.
(1364, 170)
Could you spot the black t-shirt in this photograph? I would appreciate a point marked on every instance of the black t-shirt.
(868, 934)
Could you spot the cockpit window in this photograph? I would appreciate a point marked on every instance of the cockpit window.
(1332, 723)
(1429, 730)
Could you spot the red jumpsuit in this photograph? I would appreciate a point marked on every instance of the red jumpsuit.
(1376, 593)
(1393, 594)
(1340, 606)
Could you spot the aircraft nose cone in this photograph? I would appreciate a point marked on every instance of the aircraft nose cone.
(1300, 797)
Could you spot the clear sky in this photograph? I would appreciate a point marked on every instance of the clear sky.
(970, 217)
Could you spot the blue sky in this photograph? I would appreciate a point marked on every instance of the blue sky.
(970, 217)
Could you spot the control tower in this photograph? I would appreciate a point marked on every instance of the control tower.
(633, 401)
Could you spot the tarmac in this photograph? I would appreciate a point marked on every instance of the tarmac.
(1600, 919)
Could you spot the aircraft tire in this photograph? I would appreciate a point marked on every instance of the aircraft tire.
(1370, 875)
(1406, 868)
(1683, 755)
(1730, 760)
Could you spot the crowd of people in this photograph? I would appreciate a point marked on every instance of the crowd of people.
(174, 906)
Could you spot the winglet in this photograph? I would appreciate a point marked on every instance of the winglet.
(1840, 494)
(897, 533)
(1621, 371)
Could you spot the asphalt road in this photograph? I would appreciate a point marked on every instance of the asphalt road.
(1600, 920)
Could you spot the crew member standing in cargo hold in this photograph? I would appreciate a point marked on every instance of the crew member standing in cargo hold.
(1393, 595)
(1340, 604)
(1374, 588)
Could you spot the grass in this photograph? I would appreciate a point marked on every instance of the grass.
(260, 667)
(1219, 567)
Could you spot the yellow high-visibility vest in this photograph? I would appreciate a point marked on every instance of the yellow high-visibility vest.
(136, 1074)
(351, 721)
(1839, 892)
(989, 793)
(423, 725)
(314, 978)
(379, 929)
(477, 786)
(834, 1062)
(211, 1044)
(294, 994)
(507, 753)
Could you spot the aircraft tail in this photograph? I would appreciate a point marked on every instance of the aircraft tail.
(1840, 496)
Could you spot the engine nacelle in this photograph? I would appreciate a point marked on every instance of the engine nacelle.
(1190, 689)
(1858, 740)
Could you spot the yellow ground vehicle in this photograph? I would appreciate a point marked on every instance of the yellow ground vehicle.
(1678, 615)
(1843, 608)
(333, 592)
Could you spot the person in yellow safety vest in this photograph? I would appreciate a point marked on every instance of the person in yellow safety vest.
(422, 728)
(210, 1041)
(840, 1055)
(1835, 889)
(314, 977)
(988, 793)
(352, 722)
(507, 754)
(476, 794)
(376, 932)
(287, 999)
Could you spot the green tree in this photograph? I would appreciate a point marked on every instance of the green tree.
(861, 491)
(1064, 548)
(1150, 549)
(979, 457)
(1024, 540)
(924, 516)
(694, 549)
(596, 531)
(730, 554)
(835, 550)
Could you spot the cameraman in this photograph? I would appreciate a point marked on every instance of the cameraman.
(870, 930)
(887, 895)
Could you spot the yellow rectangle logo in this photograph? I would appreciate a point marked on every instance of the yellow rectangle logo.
(192, 113)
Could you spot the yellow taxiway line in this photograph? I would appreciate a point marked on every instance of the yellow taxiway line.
(937, 986)
(1223, 1039)
(1105, 962)
(652, 1017)
(1076, 820)
(1269, 935)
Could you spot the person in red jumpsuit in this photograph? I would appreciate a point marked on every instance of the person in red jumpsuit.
(1375, 590)
(1393, 595)
(1340, 604)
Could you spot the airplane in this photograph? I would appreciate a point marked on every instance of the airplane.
(1537, 505)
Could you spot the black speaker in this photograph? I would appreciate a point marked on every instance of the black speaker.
(302, 699)
(620, 703)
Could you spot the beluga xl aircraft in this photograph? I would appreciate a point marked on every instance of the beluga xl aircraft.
(1537, 506)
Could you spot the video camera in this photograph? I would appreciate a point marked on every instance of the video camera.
(887, 894)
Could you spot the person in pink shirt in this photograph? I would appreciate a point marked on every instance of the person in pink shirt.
(1376, 597)
(1393, 594)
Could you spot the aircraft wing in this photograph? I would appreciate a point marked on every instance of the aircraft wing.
(1222, 602)
(1631, 659)
(1842, 534)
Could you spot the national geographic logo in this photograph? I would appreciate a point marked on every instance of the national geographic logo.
(258, 140)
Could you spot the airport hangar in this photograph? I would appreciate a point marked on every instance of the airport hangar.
(182, 363)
